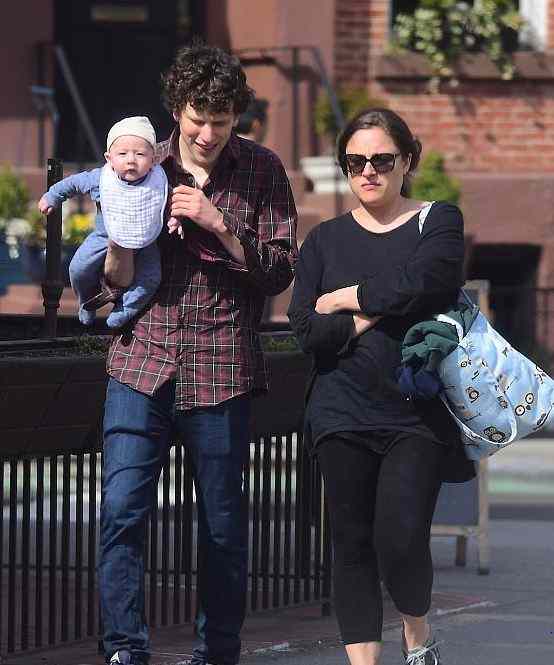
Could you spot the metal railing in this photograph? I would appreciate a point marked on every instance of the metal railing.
(49, 529)
(48, 55)
(270, 56)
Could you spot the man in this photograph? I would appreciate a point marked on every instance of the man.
(193, 358)
(252, 124)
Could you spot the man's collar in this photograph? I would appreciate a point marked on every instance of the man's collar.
(170, 148)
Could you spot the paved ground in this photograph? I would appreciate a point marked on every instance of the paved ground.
(505, 618)
(510, 622)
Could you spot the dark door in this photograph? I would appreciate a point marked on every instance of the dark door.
(117, 51)
(511, 271)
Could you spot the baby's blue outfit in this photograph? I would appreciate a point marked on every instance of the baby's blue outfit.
(87, 265)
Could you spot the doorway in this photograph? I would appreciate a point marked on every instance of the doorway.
(117, 51)
(511, 271)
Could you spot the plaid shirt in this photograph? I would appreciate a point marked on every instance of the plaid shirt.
(201, 328)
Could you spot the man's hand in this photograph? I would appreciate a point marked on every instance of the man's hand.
(194, 204)
(44, 206)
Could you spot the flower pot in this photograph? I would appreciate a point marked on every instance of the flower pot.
(33, 259)
(11, 270)
(325, 174)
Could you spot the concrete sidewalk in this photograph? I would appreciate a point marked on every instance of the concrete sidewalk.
(505, 618)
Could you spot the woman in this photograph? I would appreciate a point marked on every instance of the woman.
(362, 280)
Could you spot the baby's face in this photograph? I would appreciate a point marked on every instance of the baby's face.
(131, 157)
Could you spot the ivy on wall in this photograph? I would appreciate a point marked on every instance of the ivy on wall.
(442, 30)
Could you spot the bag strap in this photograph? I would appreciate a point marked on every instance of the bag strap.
(476, 438)
(444, 318)
(423, 215)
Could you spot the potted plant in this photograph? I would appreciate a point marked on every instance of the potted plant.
(322, 170)
(27, 239)
(14, 199)
(443, 30)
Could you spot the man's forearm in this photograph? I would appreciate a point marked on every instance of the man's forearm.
(229, 241)
(119, 266)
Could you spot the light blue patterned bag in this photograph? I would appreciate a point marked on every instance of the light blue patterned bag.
(494, 393)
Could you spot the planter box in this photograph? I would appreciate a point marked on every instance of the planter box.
(530, 65)
(50, 404)
(54, 404)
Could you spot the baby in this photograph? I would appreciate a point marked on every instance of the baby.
(130, 192)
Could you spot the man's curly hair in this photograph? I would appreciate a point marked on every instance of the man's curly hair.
(208, 78)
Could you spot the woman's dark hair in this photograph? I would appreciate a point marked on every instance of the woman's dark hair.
(393, 125)
(208, 78)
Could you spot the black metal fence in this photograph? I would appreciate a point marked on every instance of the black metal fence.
(49, 529)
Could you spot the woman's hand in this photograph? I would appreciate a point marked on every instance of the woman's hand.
(338, 301)
(362, 323)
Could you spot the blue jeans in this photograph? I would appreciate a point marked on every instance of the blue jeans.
(136, 442)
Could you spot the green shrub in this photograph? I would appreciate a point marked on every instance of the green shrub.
(432, 183)
(14, 195)
(351, 101)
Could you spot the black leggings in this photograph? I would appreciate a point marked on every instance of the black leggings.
(381, 508)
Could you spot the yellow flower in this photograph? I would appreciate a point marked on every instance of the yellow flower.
(77, 226)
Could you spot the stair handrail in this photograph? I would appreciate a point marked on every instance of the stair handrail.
(266, 53)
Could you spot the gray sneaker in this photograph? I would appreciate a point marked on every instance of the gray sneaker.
(428, 654)
(123, 657)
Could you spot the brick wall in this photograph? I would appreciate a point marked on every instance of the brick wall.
(497, 136)
(481, 125)
(494, 126)
(352, 41)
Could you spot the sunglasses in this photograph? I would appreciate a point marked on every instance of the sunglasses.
(381, 162)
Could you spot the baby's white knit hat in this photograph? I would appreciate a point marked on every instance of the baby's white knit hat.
(137, 125)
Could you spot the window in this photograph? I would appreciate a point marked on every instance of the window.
(533, 35)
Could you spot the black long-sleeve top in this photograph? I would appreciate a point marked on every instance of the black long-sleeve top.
(405, 276)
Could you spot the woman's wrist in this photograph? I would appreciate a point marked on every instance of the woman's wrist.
(347, 299)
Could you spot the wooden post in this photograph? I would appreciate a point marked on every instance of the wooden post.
(52, 286)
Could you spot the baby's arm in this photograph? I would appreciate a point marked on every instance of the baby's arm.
(173, 225)
(86, 182)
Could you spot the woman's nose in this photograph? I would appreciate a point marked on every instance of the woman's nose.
(368, 169)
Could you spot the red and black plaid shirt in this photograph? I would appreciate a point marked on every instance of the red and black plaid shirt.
(201, 328)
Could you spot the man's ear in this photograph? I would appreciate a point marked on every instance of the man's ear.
(107, 156)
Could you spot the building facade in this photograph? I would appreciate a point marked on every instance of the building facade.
(496, 136)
